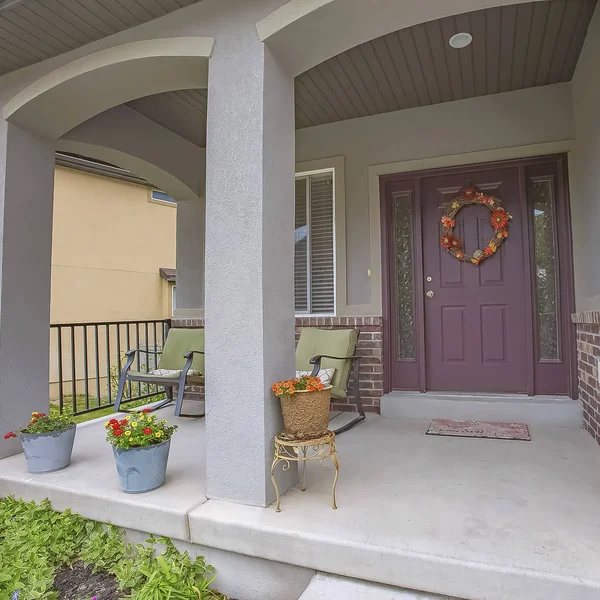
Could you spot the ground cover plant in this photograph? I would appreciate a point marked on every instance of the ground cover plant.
(46, 555)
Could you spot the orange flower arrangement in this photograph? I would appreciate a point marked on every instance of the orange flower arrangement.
(483, 199)
(290, 386)
(499, 219)
(449, 241)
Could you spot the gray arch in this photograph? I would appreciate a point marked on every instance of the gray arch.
(124, 137)
(85, 87)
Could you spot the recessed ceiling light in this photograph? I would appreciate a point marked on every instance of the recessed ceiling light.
(460, 40)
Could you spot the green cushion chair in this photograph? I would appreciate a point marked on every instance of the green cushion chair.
(183, 351)
(333, 349)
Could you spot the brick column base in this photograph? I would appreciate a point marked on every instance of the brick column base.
(370, 347)
(588, 355)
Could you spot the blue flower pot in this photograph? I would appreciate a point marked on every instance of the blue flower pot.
(142, 469)
(48, 452)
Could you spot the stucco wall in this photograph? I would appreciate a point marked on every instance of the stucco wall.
(108, 244)
(502, 121)
(585, 172)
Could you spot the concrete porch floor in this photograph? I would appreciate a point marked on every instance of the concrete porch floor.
(473, 519)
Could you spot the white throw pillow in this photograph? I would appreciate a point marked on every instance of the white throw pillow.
(173, 373)
(325, 375)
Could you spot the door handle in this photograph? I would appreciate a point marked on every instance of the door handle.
(430, 294)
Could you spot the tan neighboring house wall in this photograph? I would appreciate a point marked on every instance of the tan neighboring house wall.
(109, 241)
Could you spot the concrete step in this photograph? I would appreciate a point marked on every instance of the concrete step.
(331, 587)
(554, 411)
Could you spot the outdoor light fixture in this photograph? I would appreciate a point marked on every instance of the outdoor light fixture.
(460, 40)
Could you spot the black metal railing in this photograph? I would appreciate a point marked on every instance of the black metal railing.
(86, 360)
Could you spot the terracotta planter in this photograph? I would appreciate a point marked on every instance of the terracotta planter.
(306, 414)
(142, 469)
(48, 452)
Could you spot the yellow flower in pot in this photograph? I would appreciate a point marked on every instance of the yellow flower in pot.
(141, 445)
(305, 406)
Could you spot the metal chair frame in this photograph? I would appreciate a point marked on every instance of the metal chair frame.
(353, 376)
(167, 383)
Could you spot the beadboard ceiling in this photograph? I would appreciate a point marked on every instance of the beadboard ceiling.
(514, 47)
(34, 30)
(183, 112)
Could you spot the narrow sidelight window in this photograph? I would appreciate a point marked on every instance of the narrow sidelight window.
(541, 192)
(403, 237)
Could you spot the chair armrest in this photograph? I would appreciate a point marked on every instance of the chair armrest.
(316, 361)
(132, 352)
(191, 353)
(318, 358)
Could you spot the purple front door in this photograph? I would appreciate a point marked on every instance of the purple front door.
(475, 316)
(502, 326)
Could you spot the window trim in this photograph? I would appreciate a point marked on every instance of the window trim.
(334, 165)
(160, 201)
(306, 177)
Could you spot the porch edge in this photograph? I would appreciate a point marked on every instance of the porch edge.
(247, 533)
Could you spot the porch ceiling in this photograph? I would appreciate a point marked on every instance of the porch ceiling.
(183, 112)
(34, 30)
(514, 47)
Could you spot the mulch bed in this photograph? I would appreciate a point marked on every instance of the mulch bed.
(78, 581)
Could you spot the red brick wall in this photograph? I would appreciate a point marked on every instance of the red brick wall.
(370, 348)
(588, 355)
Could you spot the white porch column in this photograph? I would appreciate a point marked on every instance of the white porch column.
(191, 225)
(26, 199)
(249, 265)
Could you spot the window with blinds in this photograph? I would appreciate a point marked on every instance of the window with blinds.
(314, 272)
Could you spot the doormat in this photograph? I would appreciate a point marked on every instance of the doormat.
(480, 429)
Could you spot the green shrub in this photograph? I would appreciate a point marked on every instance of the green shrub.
(36, 541)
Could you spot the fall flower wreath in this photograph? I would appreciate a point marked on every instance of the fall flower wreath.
(499, 220)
